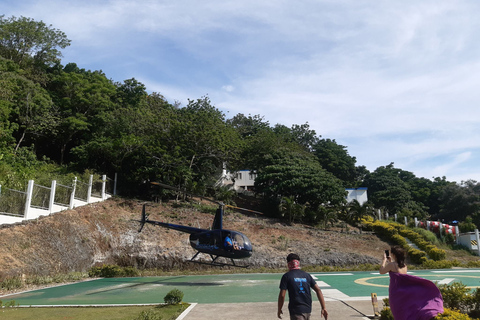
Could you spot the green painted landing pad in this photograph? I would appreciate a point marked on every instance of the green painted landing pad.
(231, 288)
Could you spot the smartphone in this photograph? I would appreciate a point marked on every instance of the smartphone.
(387, 253)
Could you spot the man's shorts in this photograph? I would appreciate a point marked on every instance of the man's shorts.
(301, 316)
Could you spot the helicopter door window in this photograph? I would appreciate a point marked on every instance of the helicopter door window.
(229, 243)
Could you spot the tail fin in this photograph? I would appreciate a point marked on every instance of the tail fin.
(218, 220)
(144, 219)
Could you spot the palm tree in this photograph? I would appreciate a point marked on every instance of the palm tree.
(288, 208)
(357, 211)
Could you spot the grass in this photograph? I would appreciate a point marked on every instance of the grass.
(164, 312)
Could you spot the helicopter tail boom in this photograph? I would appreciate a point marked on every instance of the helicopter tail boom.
(177, 227)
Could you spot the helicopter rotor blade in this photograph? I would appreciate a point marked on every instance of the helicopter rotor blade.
(166, 186)
(201, 197)
(244, 209)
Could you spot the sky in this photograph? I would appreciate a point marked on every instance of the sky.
(392, 81)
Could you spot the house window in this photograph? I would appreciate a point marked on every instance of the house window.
(239, 175)
(251, 176)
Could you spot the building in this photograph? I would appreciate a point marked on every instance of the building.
(359, 194)
(241, 181)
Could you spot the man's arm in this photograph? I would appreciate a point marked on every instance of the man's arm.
(281, 300)
(319, 293)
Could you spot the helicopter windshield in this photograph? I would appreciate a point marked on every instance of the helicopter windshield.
(241, 241)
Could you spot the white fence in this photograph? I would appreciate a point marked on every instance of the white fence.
(40, 201)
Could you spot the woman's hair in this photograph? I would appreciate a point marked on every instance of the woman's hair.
(399, 254)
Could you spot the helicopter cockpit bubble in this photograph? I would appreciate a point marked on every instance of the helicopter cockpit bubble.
(241, 241)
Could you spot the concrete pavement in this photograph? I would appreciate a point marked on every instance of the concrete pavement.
(359, 310)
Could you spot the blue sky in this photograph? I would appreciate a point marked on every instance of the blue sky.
(393, 81)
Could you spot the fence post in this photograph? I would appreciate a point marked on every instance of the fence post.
(104, 181)
(115, 185)
(52, 195)
(457, 235)
(89, 190)
(28, 202)
(72, 196)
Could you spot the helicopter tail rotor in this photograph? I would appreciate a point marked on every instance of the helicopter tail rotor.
(144, 219)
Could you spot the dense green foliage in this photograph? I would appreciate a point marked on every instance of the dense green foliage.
(60, 120)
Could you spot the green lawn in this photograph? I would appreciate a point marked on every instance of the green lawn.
(88, 313)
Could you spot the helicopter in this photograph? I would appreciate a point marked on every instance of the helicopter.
(216, 241)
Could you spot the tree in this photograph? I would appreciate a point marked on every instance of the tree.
(304, 136)
(25, 107)
(131, 92)
(300, 177)
(356, 211)
(248, 126)
(84, 100)
(335, 159)
(205, 139)
(387, 188)
(300, 135)
(461, 200)
(291, 210)
(24, 40)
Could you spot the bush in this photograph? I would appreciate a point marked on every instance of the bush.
(442, 264)
(396, 233)
(130, 272)
(8, 304)
(416, 256)
(149, 315)
(452, 315)
(456, 296)
(386, 313)
(11, 283)
(173, 297)
(111, 271)
(106, 271)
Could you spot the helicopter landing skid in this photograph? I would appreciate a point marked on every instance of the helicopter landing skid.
(215, 263)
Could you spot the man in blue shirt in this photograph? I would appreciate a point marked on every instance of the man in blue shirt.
(299, 284)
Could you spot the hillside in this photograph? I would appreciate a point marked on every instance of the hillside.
(75, 240)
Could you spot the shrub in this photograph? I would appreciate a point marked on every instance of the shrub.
(396, 233)
(456, 296)
(11, 283)
(175, 296)
(8, 304)
(442, 264)
(452, 315)
(437, 254)
(149, 315)
(106, 271)
(386, 313)
(130, 272)
(416, 256)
